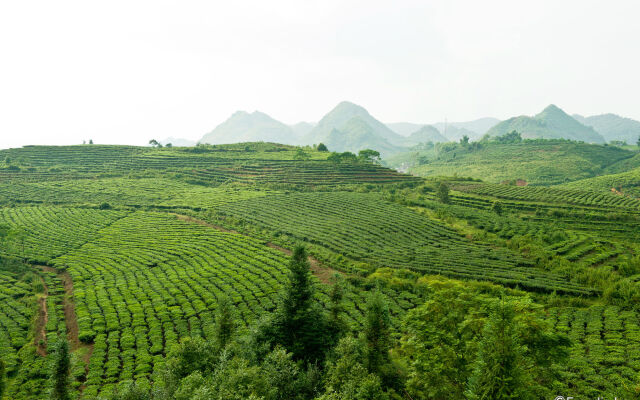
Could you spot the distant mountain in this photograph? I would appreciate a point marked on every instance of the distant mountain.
(473, 129)
(454, 130)
(551, 123)
(355, 135)
(455, 133)
(425, 134)
(349, 127)
(180, 142)
(254, 127)
(302, 128)
(613, 127)
(404, 128)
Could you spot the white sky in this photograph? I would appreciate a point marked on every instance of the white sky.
(129, 71)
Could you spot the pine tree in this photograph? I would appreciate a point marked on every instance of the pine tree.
(60, 371)
(499, 372)
(336, 324)
(225, 323)
(377, 332)
(299, 324)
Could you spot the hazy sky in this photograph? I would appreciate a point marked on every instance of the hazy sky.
(126, 72)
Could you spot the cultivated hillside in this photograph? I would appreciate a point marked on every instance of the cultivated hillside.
(623, 183)
(551, 123)
(145, 259)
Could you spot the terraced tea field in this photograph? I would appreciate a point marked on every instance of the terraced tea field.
(365, 228)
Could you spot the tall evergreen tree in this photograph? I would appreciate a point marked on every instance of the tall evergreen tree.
(377, 332)
(60, 371)
(336, 324)
(499, 372)
(299, 324)
(225, 323)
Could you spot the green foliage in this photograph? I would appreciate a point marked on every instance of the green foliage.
(347, 376)
(500, 369)
(301, 155)
(225, 323)
(511, 137)
(3, 378)
(461, 343)
(60, 367)
(369, 155)
(440, 343)
(322, 147)
(497, 208)
(442, 193)
(346, 157)
(377, 333)
(298, 324)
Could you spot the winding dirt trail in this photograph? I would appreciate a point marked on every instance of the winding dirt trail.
(320, 271)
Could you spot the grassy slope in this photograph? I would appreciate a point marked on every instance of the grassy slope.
(537, 162)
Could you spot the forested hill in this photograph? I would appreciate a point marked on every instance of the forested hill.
(540, 162)
(267, 271)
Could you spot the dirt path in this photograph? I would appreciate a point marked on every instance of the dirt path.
(70, 317)
(320, 271)
(40, 339)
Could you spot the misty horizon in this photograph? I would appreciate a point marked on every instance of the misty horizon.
(125, 73)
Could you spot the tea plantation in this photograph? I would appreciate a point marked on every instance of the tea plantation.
(129, 255)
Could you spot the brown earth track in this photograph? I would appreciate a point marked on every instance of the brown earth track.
(70, 317)
(40, 339)
(320, 271)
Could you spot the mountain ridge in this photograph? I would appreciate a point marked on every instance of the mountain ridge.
(550, 123)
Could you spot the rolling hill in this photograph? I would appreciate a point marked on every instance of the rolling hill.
(541, 162)
(551, 123)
